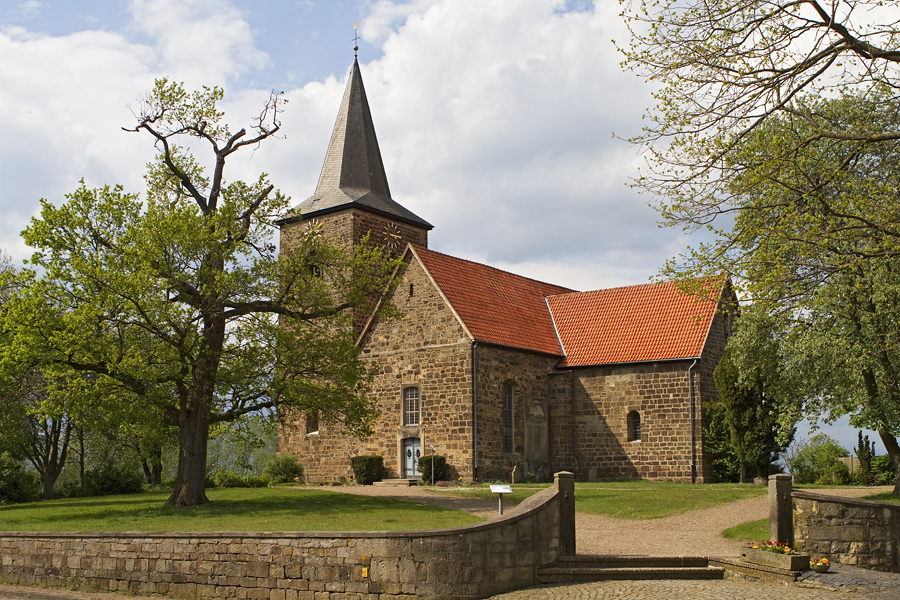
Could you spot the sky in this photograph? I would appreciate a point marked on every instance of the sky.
(500, 123)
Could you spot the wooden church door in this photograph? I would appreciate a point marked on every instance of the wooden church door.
(411, 453)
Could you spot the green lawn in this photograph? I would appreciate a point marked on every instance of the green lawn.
(633, 499)
(651, 500)
(751, 530)
(236, 509)
(885, 497)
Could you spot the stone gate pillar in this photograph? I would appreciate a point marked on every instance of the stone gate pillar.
(781, 510)
(565, 485)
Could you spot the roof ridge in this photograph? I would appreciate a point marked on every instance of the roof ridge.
(618, 287)
(480, 264)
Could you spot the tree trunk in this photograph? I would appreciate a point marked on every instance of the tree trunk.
(81, 457)
(893, 450)
(193, 419)
(152, 465)
(48, 480)
(190, 480)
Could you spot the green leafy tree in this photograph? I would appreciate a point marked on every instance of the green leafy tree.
(776, 129)
(818, 461)
(805, 245)
(724, 69)
(717, 443)
(751, 415)
(865, 453)
(177, 309)
(36, 430)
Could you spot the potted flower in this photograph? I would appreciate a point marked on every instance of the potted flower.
(819, 565)
(775, 554)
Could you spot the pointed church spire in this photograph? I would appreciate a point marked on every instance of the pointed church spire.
(353, 160)
(353, 173)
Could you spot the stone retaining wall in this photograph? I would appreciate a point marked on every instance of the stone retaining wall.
(847, 530)
(476, 561)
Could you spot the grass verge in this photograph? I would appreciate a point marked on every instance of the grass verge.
(235, 509)
(750, 531)
(885, 497)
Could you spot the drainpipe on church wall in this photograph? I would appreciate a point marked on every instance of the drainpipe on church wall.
(474, 412)
(693, 417)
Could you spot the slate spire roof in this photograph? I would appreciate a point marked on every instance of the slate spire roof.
(353, 174)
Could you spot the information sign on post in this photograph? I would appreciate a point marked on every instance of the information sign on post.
(500, 490)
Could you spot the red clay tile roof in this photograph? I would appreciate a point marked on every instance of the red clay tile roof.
(496, 306)
(631, 324)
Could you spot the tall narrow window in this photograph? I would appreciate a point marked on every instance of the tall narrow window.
(634, 426)
(312, 422)
(411, 406)
(507, 418)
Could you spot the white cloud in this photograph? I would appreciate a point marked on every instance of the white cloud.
(62, 102)
(30, 9)
(495, 121)
(201, 42)
(64, 99)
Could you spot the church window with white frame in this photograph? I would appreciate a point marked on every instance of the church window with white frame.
(411, 406)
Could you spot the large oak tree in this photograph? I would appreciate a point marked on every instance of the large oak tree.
(176, 309)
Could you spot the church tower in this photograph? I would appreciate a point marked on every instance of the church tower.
(352, 198)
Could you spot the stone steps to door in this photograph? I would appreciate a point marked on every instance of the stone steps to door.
(582, 568)
(396, 482)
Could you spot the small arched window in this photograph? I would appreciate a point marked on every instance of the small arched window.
(634, 426)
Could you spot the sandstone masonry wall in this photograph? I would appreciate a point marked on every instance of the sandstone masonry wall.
(604, 396)
(463, 562)
(533, 411)
(425, 348)
(847, 530)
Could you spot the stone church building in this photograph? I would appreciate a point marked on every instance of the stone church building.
(501, 373)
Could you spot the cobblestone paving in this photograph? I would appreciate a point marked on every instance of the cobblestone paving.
(840, 583)
(668, 589)
(871, 584)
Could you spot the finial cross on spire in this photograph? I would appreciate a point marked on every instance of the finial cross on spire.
(355, 39)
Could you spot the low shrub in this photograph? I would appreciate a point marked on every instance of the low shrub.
(425, 468)
(16, 484)
(114, 480)
(224, 478)
(883, 470)
(283, 468)
(367, 469)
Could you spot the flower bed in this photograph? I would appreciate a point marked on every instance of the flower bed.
(775, 554)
